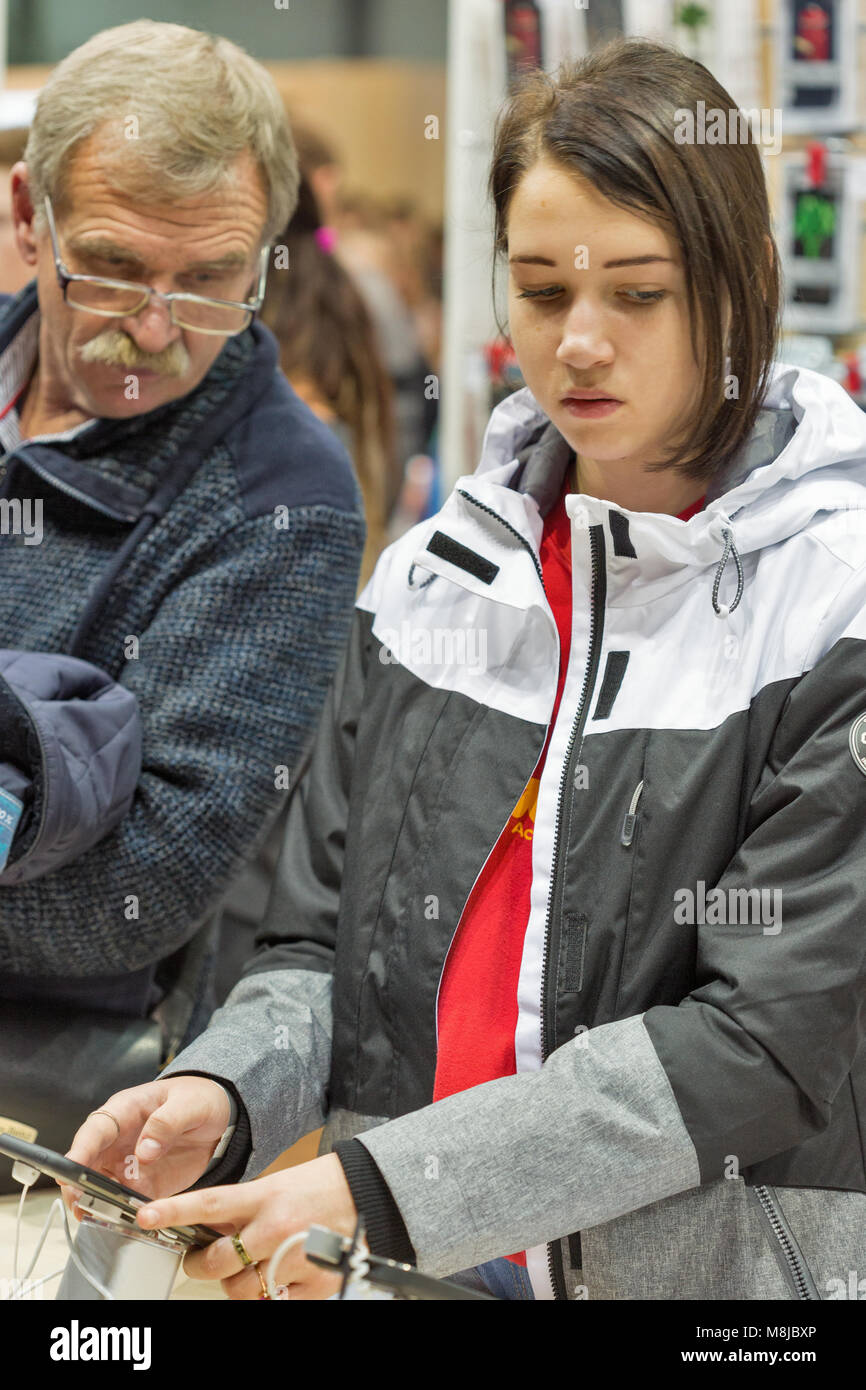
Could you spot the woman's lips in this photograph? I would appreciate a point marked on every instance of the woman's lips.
(590, 410)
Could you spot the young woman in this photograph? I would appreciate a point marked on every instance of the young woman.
(566, 941)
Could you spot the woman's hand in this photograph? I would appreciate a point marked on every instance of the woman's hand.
(264, 1213)
(156, 1138)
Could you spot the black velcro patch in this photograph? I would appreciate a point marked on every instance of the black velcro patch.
(621, 539)
(613, 673)
(460, 555)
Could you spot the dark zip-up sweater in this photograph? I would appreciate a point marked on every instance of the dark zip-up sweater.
(205, 555)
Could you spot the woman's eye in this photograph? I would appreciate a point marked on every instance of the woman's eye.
(645, 296)
(540, 294)
(635, 297)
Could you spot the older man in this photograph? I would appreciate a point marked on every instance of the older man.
(200, 531)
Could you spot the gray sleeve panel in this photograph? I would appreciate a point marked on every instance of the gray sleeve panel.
(272, 1040)
(527, 1158)
(758, 1052)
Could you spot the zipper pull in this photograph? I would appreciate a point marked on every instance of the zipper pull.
(627, 834)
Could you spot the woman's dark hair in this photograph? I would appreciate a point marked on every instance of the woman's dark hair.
(326, 336)
(611, 118)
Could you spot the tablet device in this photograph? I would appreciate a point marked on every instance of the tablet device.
(73, 1174)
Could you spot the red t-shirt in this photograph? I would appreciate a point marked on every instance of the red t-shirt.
(477, 1010)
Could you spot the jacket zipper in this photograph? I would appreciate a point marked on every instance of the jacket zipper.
(596, 632)
(801, 1279)
(501, 519)
(63, 487)
(627, 834)
(482, 506)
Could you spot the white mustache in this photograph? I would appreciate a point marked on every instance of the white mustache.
(116, 349)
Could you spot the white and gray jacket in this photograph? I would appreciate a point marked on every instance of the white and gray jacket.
(688, 1116)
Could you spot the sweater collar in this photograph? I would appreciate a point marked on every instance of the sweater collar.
(118, 464)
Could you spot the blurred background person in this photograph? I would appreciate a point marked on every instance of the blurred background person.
(394, 256)
(330, 354)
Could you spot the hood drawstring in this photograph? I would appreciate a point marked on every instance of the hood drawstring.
(723, 609)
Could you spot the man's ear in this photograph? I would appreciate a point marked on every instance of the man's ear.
(22, 213)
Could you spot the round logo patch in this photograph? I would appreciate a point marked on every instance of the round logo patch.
(857, 742)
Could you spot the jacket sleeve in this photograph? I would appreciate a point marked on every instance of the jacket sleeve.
(272, 1037)
(230, 677)
(747, 1066)
(70, 751)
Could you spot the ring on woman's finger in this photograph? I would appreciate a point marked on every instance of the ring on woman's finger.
(109, 1116)
(244, 1257)
(264, 1293)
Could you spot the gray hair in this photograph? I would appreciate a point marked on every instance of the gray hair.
(173, 108)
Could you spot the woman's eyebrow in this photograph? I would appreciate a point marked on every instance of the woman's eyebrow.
(608, 265)
(638, 260)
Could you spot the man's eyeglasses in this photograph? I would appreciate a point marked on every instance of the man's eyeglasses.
(123, 298)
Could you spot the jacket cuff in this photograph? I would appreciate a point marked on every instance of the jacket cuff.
(385, 1228)
(233, 1163)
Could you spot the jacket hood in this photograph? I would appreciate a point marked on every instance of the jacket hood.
(806, 455)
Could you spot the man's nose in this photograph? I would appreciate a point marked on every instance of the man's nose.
(152, 329)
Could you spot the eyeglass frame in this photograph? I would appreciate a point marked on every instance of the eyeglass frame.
(65, 278)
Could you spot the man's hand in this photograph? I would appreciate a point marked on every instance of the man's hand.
(264, 1213)
(165, 1135)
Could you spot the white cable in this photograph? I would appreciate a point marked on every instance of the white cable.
(37, 1283)
(92, 1281)
(278, 1254)
(56, 1205)
(359, 1267)
(25, 1188)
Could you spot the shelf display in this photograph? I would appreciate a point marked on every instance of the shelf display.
(817, 234)
(816, 65)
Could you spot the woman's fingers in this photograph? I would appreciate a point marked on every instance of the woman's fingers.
(102, 1131)
(70, 1197)
(260, 1239)
(211, 1206)
(197, 1108)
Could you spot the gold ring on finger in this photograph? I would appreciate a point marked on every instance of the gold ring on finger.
(245, 1259)
(110, 1116)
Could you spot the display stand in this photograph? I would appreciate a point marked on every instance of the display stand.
(817, 234)
(477, 85)
(816, 65)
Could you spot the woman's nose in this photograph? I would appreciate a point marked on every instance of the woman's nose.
(585, 339)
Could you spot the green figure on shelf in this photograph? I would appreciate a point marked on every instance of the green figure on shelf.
(814, 223)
